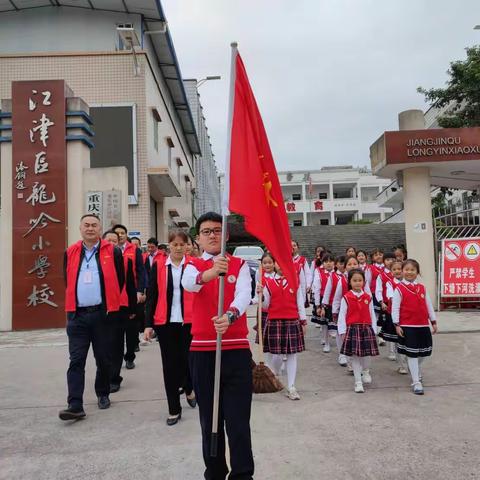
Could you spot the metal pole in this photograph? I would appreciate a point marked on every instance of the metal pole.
(221, 286)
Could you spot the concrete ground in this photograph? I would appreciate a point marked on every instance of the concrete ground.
(331, 433)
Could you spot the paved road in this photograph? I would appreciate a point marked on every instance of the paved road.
(332, 433)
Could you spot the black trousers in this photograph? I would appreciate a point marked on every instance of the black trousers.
(174, 340)
(84, 328)
(131, 338)
(234, 411)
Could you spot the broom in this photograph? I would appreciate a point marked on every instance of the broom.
(264, 380)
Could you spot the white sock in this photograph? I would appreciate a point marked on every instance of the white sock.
(420, 365)
(391, 348)
(357, 368)
(402, 360)
(414, 369)
(275, 363)
(291, 369)
(325, 336)
(365, 361)
(339, 341)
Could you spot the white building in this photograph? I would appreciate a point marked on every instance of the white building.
(207, 190)
(332, 196)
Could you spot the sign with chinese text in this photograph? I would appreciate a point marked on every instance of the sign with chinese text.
(39, 203)
(107, 205)
(461, 267)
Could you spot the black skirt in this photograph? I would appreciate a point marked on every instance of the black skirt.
(316, 318)
(388, 332)
(360, 341)
(329, 318)
(416, 342)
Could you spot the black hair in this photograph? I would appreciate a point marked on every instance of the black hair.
(362, 251)
(402, 248)
(328, 257)
(94, 215)
(375, 251)
(348, 257)
(119, 225)
(296, 242)
(153, 241)
(348, 248)
(411, 261)
(351, 273)
(109, 232)
(390, 256)
(267, 254)
(162, 246)
(340, 259)
(208, 217)
(135, 238)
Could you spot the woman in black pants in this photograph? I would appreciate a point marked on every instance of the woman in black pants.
(169, 313)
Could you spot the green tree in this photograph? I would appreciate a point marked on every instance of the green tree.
(461, 94)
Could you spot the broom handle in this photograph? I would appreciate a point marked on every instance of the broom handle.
(259, 316)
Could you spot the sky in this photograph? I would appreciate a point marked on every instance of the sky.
(329, 76)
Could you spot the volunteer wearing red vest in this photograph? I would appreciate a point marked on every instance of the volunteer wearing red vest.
(169, 312)
(153, 253)
(285, 328)
(357, 325)
(412, 313)
(94, 277)
(128, 328)
(201, 276)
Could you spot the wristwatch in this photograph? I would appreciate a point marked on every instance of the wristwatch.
(231, 316)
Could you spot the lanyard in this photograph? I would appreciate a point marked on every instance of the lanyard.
(87, 259)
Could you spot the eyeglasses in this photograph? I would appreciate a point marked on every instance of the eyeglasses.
(206, 232)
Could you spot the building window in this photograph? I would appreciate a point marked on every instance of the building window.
(156, 121)
(324, 221)
(322, 195)
(170, 148)
(297, 223)
(296, 196)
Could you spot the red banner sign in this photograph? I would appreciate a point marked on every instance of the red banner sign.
(39, 203)
(461, 267)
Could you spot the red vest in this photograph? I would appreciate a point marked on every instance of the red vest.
(130, 253)
(344, 284)
(387, 277)
(106, 265)
(324, 276)
(335, 279)
(393, 283)
(283, 300)
(375, 271)
(205, 306)
(358, 310)
(160, 316)
(413, 306)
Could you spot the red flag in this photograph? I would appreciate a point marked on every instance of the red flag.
(254, 189)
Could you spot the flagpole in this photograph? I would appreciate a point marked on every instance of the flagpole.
(221, 288)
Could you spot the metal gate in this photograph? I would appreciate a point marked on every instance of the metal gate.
(456, 221)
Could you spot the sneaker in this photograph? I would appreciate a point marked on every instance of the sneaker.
(342, 360)
(417, 388)
(129, 365)
(71, 413)
(359, 387)
(292, 394)
(144, 343)
(366, 377)
(402, 370)
(381, 342)
(318, 326)
(326, 348)
(103, 402)
(323, 342)
(392, 356)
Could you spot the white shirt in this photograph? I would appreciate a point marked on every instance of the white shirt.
(300, 299)
(397, 300)
(176, 312)
(305, 276)
(317, 285)
(379, 288)
(257, 279)
(243, 287)
(342, 316)
(152, 256)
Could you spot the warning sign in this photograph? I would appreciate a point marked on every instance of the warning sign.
(471, 251)
(460, 272)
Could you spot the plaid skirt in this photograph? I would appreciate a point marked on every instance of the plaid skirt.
(264, 325)
(283, 337)
(416, 342)
(360, 341)
(329, 318)
(388, 332)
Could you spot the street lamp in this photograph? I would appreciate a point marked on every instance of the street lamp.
(206, 79)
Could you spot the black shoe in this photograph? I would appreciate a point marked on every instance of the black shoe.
(71, 413)
(192, 402)
(129, 364)
(174, 420)
(103, 402)
(137, 349)
(114, 387)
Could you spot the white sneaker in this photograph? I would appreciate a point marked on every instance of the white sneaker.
(417, 388)
(323, 342)
(317, 325)
(366, 377)
(402, 370)
(292, 394)
(342, 360)
(392, 356)
(359, 387)
(381, 342)
(326, 348)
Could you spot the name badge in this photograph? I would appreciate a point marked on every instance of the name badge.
(87, 276)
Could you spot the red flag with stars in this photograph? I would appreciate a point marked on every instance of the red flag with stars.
(252, 186)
